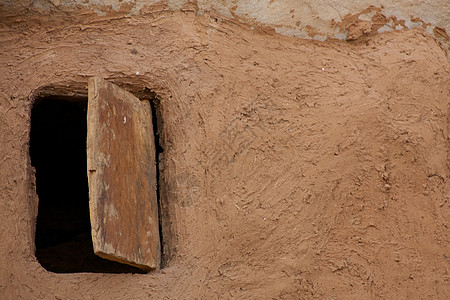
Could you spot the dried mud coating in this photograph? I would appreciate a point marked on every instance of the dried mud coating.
(291, 168)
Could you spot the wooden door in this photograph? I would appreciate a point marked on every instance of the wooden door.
(122, 176)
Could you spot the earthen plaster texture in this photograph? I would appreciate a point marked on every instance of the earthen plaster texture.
(290, 17)
(292, 168)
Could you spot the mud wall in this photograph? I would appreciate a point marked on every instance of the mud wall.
(320, 20)
(292, 168)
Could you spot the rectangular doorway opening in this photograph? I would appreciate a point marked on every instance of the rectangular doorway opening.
(58, 153)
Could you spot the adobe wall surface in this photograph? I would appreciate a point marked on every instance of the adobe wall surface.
(293, 168)
(320, 20)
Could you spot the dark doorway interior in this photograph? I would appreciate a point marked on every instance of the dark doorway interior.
(58, 153)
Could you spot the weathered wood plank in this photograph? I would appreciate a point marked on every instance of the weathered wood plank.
(122, 176)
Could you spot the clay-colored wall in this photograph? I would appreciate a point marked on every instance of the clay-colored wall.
(306, 19)
(319, 20)
(293, 169)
